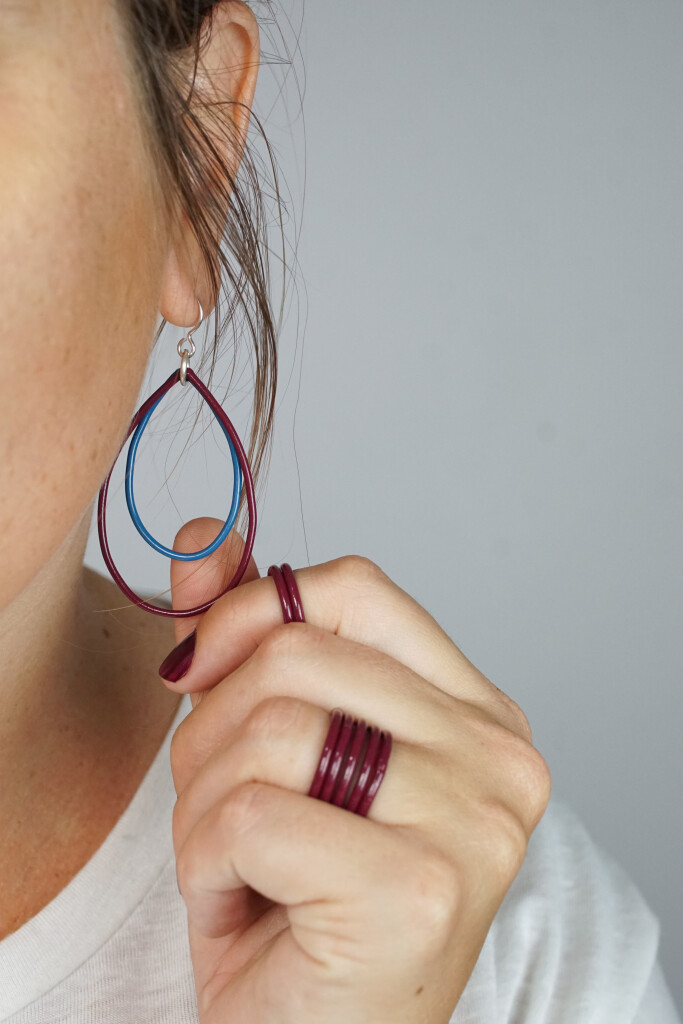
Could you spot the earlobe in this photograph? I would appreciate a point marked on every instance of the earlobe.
(226, 75)
(181, 287)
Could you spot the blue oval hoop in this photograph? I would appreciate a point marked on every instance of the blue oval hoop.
(189, 556)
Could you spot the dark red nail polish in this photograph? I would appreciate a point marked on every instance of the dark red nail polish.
(175, 665)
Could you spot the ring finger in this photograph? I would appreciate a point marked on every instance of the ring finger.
(280, 743)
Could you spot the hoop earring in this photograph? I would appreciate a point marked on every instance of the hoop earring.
(241, 476)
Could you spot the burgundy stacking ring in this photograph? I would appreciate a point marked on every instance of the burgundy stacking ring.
(355, 756)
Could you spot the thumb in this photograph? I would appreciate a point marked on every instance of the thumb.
(193, 583)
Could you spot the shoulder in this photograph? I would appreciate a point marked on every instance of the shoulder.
(574, 939)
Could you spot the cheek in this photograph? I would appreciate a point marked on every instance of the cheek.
(81, 257)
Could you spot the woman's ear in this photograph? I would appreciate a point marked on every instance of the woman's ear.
(226, 74)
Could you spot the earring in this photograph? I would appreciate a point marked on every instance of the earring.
(241, 476)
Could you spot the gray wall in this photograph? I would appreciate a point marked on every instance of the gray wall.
(485, 344)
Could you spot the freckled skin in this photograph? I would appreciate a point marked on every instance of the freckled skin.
(90, 257)
(81, 247)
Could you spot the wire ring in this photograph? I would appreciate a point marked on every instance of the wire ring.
(344, 786)
(338, 758)
(293, 589)
(277, 577)
(184, 363)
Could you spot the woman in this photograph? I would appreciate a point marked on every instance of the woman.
(465, 894)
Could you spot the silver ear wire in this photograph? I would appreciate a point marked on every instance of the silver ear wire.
(186, 354)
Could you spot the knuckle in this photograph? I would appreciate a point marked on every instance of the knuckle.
(528, 771)
(286, 642)
(180, 823)
(277, 643)
(359, 572)
(187, 752)
(182, 872)
(537, 784)
(513, 714)
(520, 767)
(519, 722)
(505, 840)
(180, 746)
(243, 807)
(435, 899)
(187, 867)
(273, 717)
(520, 719)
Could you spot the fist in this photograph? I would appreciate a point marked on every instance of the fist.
(300, 911)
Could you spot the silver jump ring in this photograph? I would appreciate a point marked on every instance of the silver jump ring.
(184, 362)
(186, 354)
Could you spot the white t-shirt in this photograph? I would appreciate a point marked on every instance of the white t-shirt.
(573, 942)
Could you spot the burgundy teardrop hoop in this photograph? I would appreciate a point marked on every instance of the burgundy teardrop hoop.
(218, 411)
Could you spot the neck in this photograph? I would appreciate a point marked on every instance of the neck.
(41, 640)
(79, 684)
(84, 713)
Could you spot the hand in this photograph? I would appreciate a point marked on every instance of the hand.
(300, 912)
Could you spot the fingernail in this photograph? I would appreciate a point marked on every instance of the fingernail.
(175, 665)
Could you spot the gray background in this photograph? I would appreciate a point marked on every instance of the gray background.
(481, 368)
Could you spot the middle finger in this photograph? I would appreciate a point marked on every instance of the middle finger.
(309, 664)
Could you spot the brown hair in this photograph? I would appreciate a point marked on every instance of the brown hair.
(225, 210)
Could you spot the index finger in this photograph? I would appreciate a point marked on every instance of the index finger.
(350, 596)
